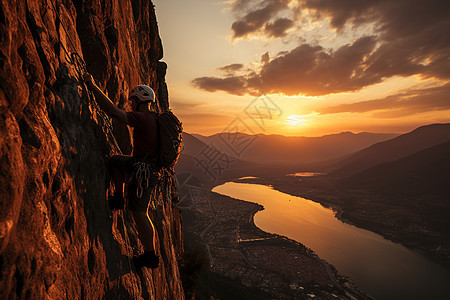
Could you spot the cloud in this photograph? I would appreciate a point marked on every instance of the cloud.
(406, 103)
(310, 70)
(240, 5)
(234, 85)
(229, 69)
(408, 37)
(279, 27)
(256, 19)
(265, 58)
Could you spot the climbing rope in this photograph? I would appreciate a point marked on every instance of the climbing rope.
(80, 67)
(75, 59)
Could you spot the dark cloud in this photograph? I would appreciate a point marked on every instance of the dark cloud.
(406, 103)
(234, 85)
(414, 34)
(256, 19)
(410, 37)
(306, 69)
(278, 27)
(240, 5)
(343, 11)
(265, 58)
(312, 70)
(231, 68)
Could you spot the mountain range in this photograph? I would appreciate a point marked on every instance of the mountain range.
(422, 173)
(401, 146)
(409, 171)
(263, 148)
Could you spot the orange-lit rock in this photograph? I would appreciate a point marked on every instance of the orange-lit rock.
(58, 238)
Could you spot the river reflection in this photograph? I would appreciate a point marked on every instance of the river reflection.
(383, 269)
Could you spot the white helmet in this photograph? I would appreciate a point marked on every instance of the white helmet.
(143, 93)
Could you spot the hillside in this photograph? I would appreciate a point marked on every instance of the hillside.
(393, 149)
(192, 145)
(208, 164)
(418, 183)
(58, 238)
(406, 199)
(422, 173)
(278, 148)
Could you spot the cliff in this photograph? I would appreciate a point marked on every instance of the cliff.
(58, 239)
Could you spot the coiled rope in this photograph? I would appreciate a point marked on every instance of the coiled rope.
(80, 67)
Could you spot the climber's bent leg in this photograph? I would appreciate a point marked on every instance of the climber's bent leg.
(138, 207)
(146, 232)
(118, 166)
(138, 204)
(145, 229)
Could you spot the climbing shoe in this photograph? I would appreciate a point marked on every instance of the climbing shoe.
(149, 260)
(116, 202)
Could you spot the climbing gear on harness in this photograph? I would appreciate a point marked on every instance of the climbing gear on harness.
(167, 186)
(144, 176)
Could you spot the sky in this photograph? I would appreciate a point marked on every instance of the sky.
(306, 67)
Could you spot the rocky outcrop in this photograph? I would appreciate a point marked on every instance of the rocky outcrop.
(58, 238)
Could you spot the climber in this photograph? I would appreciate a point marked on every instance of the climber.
(125, 169)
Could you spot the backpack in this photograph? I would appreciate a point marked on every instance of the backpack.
(170, 140)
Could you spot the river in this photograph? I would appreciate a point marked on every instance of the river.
(383, 269)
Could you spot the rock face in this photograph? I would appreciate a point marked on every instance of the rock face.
(58, 239)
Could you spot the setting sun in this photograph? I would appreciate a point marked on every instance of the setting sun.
(295, 120)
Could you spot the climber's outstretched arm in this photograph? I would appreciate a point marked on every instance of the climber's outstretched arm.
(104, 102)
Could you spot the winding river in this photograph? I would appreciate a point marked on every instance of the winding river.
(383, 269)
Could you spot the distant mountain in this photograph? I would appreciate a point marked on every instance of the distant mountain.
(192, 150)
(423, 173)
(277, 148)
(415, 188)
(192, 145)
(404, 145)
(208, 163)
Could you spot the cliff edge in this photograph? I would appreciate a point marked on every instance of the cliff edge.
(58, 238)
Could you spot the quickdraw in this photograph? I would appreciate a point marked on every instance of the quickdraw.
(142, 174)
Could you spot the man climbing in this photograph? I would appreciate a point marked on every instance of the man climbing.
(137, 172)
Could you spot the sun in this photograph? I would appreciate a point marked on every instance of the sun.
(295, 120)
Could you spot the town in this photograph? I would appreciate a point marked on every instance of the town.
(236, 248)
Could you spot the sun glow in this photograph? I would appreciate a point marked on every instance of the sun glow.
(295, 120)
